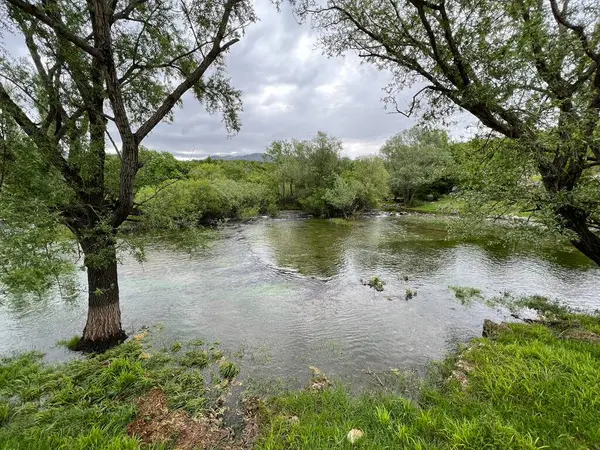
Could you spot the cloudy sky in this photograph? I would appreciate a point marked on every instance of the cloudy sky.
(290, 90)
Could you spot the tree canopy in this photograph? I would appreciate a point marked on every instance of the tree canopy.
(527, 70)
(416, 159)
(93, 67)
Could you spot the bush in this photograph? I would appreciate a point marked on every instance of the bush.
(193, 202)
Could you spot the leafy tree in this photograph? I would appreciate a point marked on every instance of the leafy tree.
(323, 182)
(343, 195)
(90, 63)
(416, 158)
(373, 177)
(288, 168)
(528, 70)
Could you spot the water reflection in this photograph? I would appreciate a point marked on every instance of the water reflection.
(238, 293)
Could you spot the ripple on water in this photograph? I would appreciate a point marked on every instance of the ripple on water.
(259, 288)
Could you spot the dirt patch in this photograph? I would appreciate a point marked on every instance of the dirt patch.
(156, 423)
(579, 334)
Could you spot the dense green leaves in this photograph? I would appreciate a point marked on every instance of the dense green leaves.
(314, 175)
(416, 159)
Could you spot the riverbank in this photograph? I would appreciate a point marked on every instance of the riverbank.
(524, 386)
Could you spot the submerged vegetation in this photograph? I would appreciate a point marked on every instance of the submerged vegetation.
(375, 283)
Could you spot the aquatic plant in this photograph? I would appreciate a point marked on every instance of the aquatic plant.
(375, 283)
(195, 358)
(410, 294)
(228, 370)
(466, 295)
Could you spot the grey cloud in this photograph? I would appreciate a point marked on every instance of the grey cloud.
(290, 90)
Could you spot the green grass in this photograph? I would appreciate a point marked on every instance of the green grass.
(445, 205)
(528, 389)
(88, 403)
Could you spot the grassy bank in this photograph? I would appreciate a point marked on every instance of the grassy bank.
(530, 387)
(525, 387)
(128, 398)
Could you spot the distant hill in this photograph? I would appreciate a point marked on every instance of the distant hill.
(247, 157)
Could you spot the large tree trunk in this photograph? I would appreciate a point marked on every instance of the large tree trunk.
(587, 242)
(103, 327)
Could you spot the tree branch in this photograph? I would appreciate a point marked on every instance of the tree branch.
(577, 29)
(194, 77)
(55, 25)
(43, 142)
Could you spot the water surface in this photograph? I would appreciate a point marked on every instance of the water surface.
(288, 294)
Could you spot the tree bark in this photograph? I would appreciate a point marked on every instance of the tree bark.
(587, 242)
(103, 327)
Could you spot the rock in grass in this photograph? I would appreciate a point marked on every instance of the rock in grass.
(354, 435)
(493, 329)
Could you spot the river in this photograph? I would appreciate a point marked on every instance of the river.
(287, 294)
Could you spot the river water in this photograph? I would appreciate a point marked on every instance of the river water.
(287, 294)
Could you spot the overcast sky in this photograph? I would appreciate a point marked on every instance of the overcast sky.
(290, 90)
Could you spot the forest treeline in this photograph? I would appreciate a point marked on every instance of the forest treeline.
(310, 175)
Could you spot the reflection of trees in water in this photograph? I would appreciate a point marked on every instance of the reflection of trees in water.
(403, 247)
(315, 247)
(410, 245)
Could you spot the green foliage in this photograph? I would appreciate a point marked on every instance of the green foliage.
(521, 388)
(71, 344)
(207, 195)
(88, 403)
(313, 175)
(195, 358)
(228, 370)
(409, 294)
(376, 283)
(416, 159)
(35, 248)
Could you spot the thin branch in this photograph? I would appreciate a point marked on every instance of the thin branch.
(43, 142)
(56, 25)
(413, 102)
(113, 143)
(577, 29)
(124, 14)
(158, 190)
